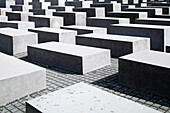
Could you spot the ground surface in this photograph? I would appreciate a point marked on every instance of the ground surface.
(105, 78)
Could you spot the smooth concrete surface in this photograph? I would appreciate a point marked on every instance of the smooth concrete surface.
(159, 35)
(80, 59)
(84, 98)
(128, 14)
(13, 41)
(18, 16)
(119, 45)
(154, 21)
(86, 29)
(20, 25)
(19, 78)
(52, 34)
(147, 71)
(46, 21)
(106, 21)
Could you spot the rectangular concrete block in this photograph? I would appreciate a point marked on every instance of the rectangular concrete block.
(159, 35)
(86, 29)
(18, 16)
(147, 71)
(106, 21)
(79, 59)
(154, 21)
(23, 8)
(19, 78)
(108, 6)
(127, 14)
(46, 21)
(119, 45)
(84, 98)
(53, 34)
(20, 25)
(72, 18)
(13, 41)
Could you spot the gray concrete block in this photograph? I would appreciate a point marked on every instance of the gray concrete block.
(84, 98)
(19, 78)
(3, 3)
(73, 3)
(119, 45)
(168, 48)
(18, 16)
(72, 18)
(13, 41)
(79, 59)
(37, 11)
(108, 6)
(147, 71)
(127, 14)
(106, 21)
(153, 21)
(20, 25)
(46, 21)
(159, 35)
(53, 34)
(86, 29)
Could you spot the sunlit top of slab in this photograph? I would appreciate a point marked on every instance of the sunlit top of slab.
(12, 67)
(114, 37)
(150, 57)
(70, 49)
(83, 27)
(83, 98)
(13, 32)
(142, 26)
(53, 30)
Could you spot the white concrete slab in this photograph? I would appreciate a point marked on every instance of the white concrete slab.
(90, 58)
(151, 57)
(121, 20)
(65, 36)
(83, 98)
(19, 78)
(96, 30)
(55, 22)
(23, 15)
(21, 25)
(16, 41)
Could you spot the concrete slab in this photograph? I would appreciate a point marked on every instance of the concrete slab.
(20, 25)
(86, 29)
(154, 21)
(72, 18)
(159, 35)
(82, 98)
(53, 34)
(128, 14)
(13, 41)
(119, 45)
(19, 78)
(18, 15)
(79, 59)
(106, 21)
(147, 71)
(46, 21)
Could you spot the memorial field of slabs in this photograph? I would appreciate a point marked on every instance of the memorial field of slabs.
(84, 56)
